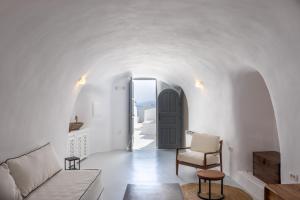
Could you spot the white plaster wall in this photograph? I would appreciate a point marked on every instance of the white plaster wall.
(108, 124)
(161, 85)
(45, 46)
(93, 108)
(120, 112)
(185, 111)
(253, 125)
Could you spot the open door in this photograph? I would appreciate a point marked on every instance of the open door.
(169, 120)
(131, 115)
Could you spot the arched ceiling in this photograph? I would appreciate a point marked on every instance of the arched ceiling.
(175, 36)
(180, 36)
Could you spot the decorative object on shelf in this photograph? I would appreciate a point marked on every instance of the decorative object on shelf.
(73, 126)
(211, 175)
(266, 166)
(74, 160)
(231, 193)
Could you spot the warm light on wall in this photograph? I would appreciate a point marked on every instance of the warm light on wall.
(82, 80)
(199, 84)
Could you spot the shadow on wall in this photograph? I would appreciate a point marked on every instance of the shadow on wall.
(255, 124)
(185, 121)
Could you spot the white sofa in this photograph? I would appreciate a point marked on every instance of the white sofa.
(39, 176)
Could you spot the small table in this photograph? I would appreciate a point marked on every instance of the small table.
(70, 160)
(210, 175)
(169, 191)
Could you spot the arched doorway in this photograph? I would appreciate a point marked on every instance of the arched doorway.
(169, 119)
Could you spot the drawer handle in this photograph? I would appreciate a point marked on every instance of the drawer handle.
(264, 161)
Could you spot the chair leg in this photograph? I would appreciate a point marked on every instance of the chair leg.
(177, 165)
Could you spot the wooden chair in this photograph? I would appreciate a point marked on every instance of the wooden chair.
(205, 152)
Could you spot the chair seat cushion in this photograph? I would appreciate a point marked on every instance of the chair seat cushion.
(197, 158)
(70, 185)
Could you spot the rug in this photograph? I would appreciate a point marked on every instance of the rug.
(190, 191)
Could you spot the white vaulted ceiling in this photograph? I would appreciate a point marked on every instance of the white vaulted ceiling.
(45, 46)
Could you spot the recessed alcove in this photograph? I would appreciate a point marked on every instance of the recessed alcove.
(255, 128)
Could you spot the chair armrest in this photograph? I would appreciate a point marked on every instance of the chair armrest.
(177, 150)
(209, 153)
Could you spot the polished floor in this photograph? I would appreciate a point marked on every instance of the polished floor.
(138, 167)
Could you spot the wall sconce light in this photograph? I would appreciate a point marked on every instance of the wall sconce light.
(199, 84)
(82, 80)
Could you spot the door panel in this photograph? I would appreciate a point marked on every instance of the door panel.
(169, 120)
(131, 115)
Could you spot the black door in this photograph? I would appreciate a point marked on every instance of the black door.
(169, 119)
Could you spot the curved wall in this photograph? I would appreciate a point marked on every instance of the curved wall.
(93, 108)
(46, 46)
(253, 126)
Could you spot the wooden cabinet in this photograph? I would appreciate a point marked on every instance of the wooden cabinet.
(282, 192)
(266, 166)
(78, 144)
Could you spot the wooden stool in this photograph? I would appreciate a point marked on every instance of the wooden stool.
(210, 175)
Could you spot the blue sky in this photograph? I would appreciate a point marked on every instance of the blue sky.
(144, 90)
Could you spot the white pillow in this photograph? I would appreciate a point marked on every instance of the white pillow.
(205, 143)
(8, 188)
(33, 169)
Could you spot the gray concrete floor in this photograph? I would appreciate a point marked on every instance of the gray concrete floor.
(139, 167)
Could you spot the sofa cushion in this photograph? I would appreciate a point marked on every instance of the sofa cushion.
(205, 142)
(8, 187)
(197, 158)
(70, 185)
(33, 169)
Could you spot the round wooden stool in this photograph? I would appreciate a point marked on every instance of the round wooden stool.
(210, 175)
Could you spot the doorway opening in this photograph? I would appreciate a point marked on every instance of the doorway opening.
(144, 113)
